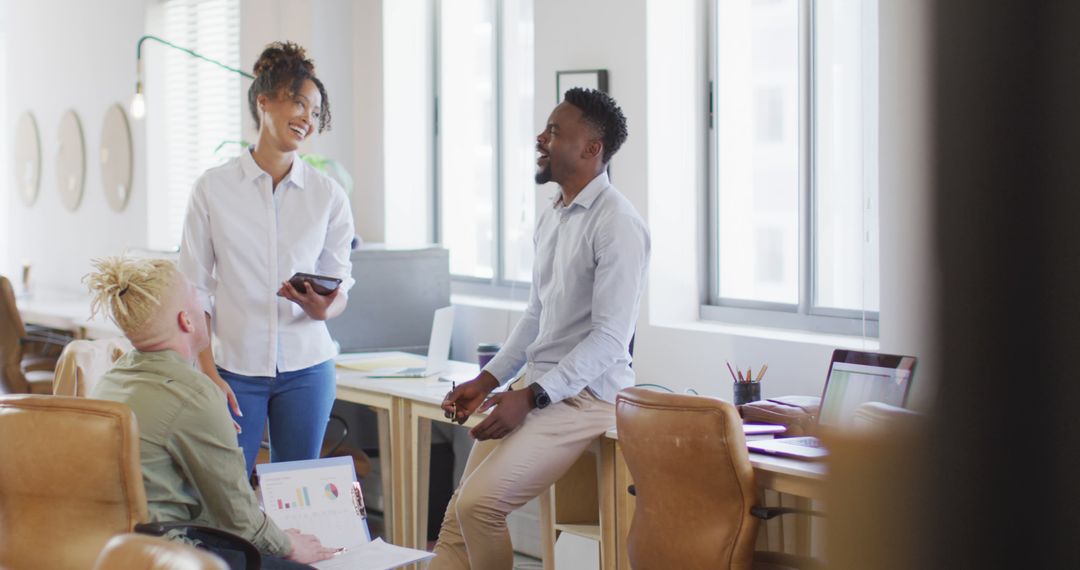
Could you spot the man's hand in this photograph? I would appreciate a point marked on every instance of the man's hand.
(306, 548)
(463, 401)
(510, 410)
(315, 305)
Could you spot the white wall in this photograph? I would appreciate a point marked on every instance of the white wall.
(7, 182)
(84, 60)
(908, 258)
(343, 38)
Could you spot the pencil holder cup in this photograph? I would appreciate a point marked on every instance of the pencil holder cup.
(746, 392)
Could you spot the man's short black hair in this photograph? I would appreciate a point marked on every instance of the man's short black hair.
(603, 114)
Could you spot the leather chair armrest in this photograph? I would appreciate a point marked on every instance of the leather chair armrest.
(252, 556)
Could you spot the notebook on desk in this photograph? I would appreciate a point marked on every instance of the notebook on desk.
(854, 378)
(438, 356)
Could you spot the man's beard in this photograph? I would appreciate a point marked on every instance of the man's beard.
(543, 176)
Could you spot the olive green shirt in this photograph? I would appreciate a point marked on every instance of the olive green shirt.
(193, 468)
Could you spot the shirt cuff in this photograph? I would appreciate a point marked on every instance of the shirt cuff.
(272, 540)
(554, 383)
(502, 368)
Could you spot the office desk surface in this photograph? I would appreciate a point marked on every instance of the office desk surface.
(65, 310)
(428, 389)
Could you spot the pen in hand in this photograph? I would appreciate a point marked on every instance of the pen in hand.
(452, 415)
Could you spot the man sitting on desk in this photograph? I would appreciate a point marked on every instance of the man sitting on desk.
(192, 468)
(592, 251)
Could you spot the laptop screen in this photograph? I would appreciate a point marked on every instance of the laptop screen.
(852, 384)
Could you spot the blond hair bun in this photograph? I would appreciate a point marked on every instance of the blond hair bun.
(128, 290)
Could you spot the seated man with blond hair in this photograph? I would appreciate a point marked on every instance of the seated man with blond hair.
(193, 470)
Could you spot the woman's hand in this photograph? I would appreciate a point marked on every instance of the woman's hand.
(229, 395)
(315, 305)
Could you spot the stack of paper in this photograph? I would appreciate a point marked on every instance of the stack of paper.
(381, 363)
(321, 497)
(375, 555)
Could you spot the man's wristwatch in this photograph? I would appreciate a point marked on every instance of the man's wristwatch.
(540, 396)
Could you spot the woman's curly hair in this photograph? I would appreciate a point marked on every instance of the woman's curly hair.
(285, 66)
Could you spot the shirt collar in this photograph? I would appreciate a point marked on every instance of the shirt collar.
(588, 194)
(167, 355)
(252, 171)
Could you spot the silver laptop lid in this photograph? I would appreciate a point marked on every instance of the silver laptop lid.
(442, 329)
(855, 378)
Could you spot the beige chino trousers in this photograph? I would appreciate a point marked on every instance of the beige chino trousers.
(502, 475)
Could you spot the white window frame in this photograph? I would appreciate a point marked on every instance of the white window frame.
(498, 285)
(804, 315)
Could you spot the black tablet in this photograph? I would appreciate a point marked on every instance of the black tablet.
(322, 284)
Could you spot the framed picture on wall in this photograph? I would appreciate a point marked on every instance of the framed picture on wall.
(587, 78)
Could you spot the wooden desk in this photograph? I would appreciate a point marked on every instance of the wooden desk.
(65, 310)
(400, 403)
(406, 408)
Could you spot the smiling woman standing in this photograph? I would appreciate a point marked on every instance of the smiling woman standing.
(251, 224)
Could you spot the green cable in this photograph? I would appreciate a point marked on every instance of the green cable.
(138, 54)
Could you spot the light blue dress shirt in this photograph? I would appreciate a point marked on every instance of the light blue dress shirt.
(588, 275)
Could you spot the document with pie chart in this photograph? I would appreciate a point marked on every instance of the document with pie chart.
(319, 497)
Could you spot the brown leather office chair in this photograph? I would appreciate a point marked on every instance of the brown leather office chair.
(138, 551)
(70, 480)
(84, 362)
(22, 371)
(693, 481)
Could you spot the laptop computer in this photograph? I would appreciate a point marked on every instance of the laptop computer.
(854, 378)
(438, 356)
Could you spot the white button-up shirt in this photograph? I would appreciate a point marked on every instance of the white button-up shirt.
(242, 239)
(588, 277)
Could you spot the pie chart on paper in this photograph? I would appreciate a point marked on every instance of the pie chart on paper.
(331, 491)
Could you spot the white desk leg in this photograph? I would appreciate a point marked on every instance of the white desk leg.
(606, 495)
(386, 473)
(802, 528)
(403, 467)
(547, 527)
(624, 509)
(421, 450)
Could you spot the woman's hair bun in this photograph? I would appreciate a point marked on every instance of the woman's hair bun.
(282, 54)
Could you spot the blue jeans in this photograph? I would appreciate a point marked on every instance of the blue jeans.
(297, 405)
